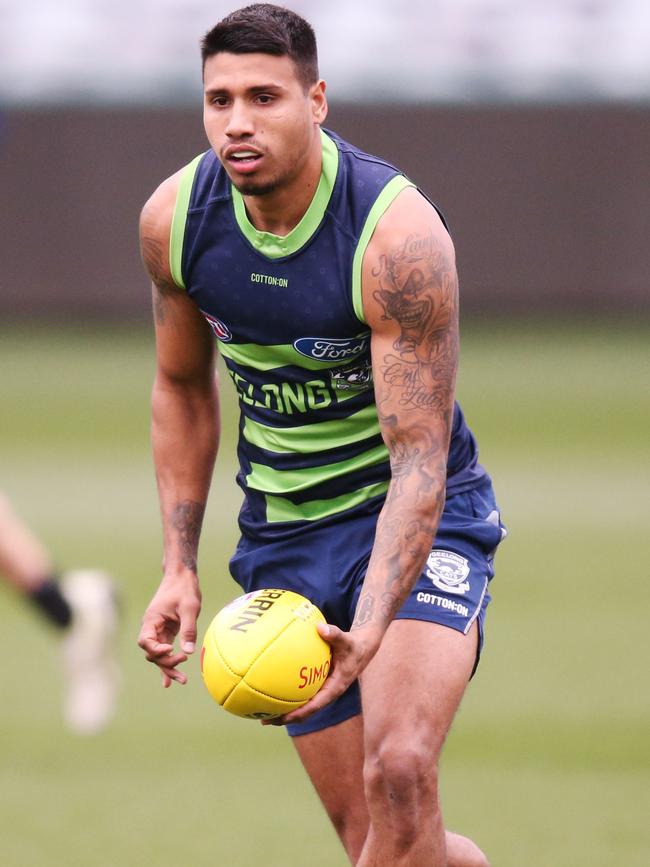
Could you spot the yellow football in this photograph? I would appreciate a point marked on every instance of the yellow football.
(262, 655)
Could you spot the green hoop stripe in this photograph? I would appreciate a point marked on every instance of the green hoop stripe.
(177, 234)
(280, 509)
(390, 192)
(309, 438)
(276, 246)
(271, 481)
(273, 357)
(342, 396)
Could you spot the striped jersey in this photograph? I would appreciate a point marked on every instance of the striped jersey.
(287, 314)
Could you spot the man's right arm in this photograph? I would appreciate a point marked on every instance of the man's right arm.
(185, 434)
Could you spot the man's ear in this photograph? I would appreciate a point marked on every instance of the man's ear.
(318, 101)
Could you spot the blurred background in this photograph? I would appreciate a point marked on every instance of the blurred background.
(528, 123)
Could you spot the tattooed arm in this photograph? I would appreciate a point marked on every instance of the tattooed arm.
(410, 295)
(184, 432)
(410, 302)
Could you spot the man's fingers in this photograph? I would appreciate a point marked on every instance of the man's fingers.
(156, 629)
(331, 689)
(154, 648)
(332, 634)
(303, 713)
(342, 673)
(169, 675)
(161, 653)
(188, 614)
(167, 660)
(326, 694)
(169, 616)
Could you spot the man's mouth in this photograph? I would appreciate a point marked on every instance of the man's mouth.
(243, 158)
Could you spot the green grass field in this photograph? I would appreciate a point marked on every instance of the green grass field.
(547, 765)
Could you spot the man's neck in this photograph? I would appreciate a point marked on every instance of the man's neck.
(280, 211)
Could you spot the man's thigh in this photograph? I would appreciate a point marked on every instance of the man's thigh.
(412, 688)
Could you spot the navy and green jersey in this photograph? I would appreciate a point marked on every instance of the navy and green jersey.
(288, 318)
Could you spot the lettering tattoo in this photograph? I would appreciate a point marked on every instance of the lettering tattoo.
(390, 602)
(418, 290)
(186, 519)
(365, 610)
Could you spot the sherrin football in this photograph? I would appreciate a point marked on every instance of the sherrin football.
(262, 655)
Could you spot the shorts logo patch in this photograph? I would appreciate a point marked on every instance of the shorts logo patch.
(220, 329)
(448, 571)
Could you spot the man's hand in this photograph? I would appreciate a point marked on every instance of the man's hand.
(172, 611)
(351, 652)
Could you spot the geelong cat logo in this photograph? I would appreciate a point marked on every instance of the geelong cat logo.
(448, 571)
(354, 377)
(332, 349)
(221, 330)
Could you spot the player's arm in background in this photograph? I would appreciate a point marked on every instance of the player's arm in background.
(410, 301)
(185, 435)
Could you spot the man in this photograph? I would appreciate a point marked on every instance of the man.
(81, 606)
(320, 269)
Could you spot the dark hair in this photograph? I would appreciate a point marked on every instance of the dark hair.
(266, 29)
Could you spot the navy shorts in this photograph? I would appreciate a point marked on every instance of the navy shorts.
(327, 564)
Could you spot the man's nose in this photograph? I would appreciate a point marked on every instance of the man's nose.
(240, 121)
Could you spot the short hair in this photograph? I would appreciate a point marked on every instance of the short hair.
(266, 29)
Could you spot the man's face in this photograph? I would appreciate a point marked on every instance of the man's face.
(259, 119)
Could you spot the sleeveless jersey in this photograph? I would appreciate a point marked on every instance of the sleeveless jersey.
(288, 317)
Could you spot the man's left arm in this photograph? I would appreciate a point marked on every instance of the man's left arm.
(410, 301)
(410, 296)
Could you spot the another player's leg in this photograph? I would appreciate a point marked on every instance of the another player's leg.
(82, 605)
(411, 691)
(333, 758)
(26, 564)
(89, 650)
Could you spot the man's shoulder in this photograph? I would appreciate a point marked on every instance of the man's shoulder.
(155, 231)
(158, 210)
(409, 216)
(160, 205)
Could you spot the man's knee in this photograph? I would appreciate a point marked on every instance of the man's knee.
(471, 859)
(401, 775)
(463, 852)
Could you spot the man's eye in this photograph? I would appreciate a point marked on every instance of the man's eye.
(264, 98)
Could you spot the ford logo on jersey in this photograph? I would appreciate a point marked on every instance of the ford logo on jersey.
(332, 349)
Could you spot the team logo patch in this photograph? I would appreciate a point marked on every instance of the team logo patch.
(351, 377)
(220, 329)
(448, 571)
(332, 349)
